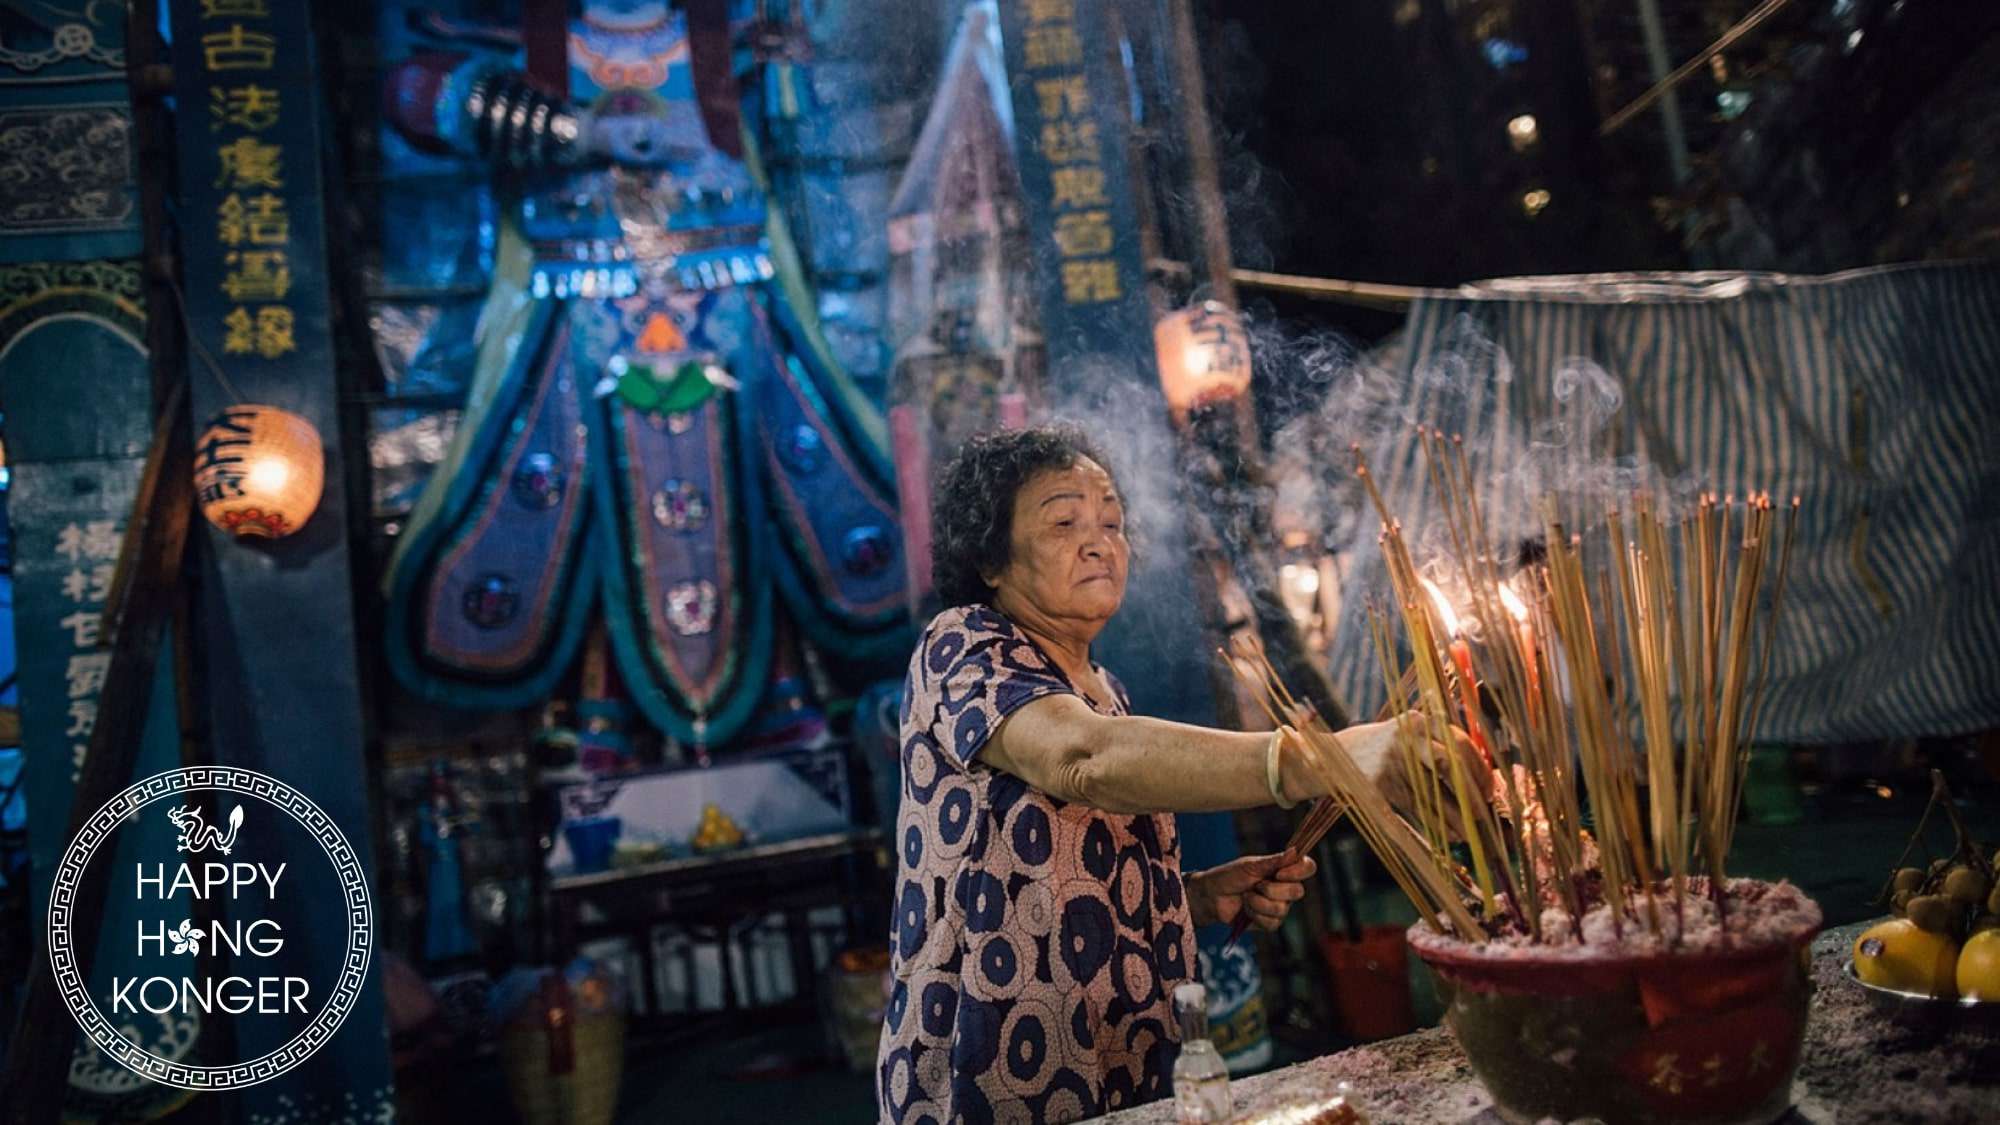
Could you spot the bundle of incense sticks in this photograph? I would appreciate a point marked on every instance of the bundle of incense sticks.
(1426, 875)
(1325, 812)
(1269, 691)
(1621, 678)
(1329, 761)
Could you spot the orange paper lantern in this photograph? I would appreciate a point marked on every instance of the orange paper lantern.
(258, 470)
(1204, 356)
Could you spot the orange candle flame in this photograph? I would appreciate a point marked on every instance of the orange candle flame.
(1444, 609)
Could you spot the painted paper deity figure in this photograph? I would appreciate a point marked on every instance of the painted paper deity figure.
(656, 431)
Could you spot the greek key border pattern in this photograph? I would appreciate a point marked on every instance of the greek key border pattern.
(247, 782)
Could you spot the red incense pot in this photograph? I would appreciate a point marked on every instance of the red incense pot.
(1705, 1036)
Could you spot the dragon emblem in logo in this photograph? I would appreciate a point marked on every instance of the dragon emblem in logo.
(197, 835)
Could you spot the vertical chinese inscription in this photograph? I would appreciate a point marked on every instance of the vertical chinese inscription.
(252, 223)
(90, 548)
(1052, 57)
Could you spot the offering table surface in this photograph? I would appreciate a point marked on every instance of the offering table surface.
(1858, 1066)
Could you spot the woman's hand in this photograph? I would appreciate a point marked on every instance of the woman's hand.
(1377, 750)
(1394, 777)
(1264, 885)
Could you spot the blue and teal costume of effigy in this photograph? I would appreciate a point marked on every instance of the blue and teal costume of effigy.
(655, 429)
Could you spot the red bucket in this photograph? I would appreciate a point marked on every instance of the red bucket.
(1371, 982)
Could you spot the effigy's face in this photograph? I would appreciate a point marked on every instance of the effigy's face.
(630, 63)
(637, 129)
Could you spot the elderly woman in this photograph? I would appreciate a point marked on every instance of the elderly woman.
(1041, 915)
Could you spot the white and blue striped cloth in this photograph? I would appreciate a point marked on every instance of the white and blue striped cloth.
(1874, 395)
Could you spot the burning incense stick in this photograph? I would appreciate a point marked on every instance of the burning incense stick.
(1630, 674)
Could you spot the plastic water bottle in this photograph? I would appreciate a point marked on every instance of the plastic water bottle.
(1201, 1082)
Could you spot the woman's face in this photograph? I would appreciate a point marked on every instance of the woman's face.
(1069, 555)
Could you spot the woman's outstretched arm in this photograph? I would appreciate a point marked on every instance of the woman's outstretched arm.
(1134, 764)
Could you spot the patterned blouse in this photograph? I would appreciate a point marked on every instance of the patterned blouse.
(1036, 943)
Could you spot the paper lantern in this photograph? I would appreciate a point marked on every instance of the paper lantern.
(1204, 356)
(258, 471)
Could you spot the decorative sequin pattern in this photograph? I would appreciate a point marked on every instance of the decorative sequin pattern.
(691, 608)
(492, 601)
(1035, 943)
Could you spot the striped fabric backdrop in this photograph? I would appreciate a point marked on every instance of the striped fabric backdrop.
(1873, 395)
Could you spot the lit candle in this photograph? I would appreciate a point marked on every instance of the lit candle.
(1468, 685)
(1518, 609)
(1468, 697)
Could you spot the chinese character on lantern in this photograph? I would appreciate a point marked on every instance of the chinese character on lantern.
(259, 471)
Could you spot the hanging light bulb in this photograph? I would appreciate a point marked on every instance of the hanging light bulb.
(1523, 132)
(1298, 588)
(258, 471)
(1204, 356)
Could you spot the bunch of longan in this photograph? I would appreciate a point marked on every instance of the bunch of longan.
(1955, 897)
(716, 831)
(1944, 941)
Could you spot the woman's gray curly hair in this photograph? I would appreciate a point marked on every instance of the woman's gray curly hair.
(972, 521)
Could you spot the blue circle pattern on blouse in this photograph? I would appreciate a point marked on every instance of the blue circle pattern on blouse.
(1031, 836)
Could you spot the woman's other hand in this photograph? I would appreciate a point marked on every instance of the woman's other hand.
(1264, 885)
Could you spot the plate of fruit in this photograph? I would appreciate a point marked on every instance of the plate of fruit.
(1938, 954)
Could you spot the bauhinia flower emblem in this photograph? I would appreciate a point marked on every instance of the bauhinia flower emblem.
(186, 939)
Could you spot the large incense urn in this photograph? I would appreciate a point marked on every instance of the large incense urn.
(1633, 1030)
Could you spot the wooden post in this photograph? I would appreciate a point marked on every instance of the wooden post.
(1212, 218)
(1229, 433)
(1223, 447)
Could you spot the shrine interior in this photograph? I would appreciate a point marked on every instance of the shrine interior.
(518, 578)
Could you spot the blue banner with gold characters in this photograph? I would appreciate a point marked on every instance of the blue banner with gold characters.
(77, 391)
(250, 191)
(251, 218)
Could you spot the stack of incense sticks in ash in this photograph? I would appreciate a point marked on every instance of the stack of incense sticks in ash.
(1609, 693)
